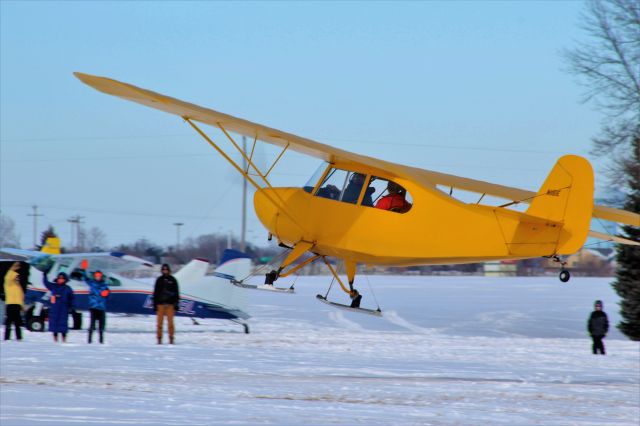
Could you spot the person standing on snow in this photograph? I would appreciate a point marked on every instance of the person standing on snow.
(166, 299)
(14, 300)
(598, 326)
(97, 304)
(61, 304)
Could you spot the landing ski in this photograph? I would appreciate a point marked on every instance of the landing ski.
(374, 312)
(263, 287)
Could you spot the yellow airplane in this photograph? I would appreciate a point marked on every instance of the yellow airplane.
(364, 210)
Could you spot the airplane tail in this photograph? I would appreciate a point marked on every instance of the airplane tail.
(51, 246)
(216, 288)
(193, 271)
(566, 199)
(234, 264)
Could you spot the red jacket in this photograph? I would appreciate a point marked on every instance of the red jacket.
(394, 202)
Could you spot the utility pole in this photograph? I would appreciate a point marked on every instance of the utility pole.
(178, 225)
(75, 222)
(243, 229)
(35, 215)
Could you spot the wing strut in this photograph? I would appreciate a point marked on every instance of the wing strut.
(280, 204)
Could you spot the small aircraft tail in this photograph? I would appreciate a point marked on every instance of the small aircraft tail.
(566, 198)
(216, 288)
(192, 271)
(234, 264)
(51, 246)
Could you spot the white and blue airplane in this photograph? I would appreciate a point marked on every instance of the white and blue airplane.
(131, 283)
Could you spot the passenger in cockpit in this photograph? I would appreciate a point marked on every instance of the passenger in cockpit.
(395, 200)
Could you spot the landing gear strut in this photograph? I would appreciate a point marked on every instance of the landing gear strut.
(564, 274)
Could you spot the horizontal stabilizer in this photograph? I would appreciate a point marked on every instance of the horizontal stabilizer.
(613, 238)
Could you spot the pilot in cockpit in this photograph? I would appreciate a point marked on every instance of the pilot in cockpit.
(352, 191)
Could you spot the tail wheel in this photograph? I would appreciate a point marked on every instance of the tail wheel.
(564, 275)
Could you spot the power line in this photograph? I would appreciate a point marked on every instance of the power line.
(326, 139)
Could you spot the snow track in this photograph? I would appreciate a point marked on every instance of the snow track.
(304, 363)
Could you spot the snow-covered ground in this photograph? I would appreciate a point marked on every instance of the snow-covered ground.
(449, 350)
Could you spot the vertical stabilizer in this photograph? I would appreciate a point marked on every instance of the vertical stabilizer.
(216, 288)
(51, 246)
(567, 197)
(193, 271)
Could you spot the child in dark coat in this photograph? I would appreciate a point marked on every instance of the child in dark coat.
(598, 327)
(61, 304)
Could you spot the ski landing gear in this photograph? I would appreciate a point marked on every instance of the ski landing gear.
(355, 296)
(271, 276)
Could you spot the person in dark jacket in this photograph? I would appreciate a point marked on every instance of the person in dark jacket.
(166, 298)
(98, 294)
(598, 327)
(61, 304)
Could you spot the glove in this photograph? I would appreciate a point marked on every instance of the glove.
(104, 293)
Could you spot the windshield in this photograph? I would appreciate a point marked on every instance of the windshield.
(311, 183)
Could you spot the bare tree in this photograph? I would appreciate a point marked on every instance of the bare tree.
(8, 236)
(93, 239)
(608, 65)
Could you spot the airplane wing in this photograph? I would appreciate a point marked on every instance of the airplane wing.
(325, 152)
(106, 262)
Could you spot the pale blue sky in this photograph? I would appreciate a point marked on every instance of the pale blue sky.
(471, 88)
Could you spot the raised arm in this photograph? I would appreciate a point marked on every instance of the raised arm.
(50, 286)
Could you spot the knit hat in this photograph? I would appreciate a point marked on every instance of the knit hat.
(598, 303)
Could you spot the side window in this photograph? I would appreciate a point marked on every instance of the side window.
(387, 195)
(333, 184)
(77, 274)
(63, 265)
(113, 282)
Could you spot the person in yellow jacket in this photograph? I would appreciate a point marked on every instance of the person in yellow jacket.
(14, 300)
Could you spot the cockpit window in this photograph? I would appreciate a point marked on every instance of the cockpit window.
(342, 185)
(349, 186)
(333, 184)
(311, 183)
(387, 195)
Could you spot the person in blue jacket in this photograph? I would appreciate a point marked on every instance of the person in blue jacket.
(61, 304)
(97, 304)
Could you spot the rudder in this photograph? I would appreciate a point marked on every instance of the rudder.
(566, 196)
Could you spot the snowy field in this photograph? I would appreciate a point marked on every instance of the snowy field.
(449, 350)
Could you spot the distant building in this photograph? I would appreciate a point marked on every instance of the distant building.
(501, 268)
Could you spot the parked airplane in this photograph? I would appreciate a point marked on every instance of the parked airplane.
(201, 295)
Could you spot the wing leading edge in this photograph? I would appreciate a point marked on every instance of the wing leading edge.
(326, 152)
